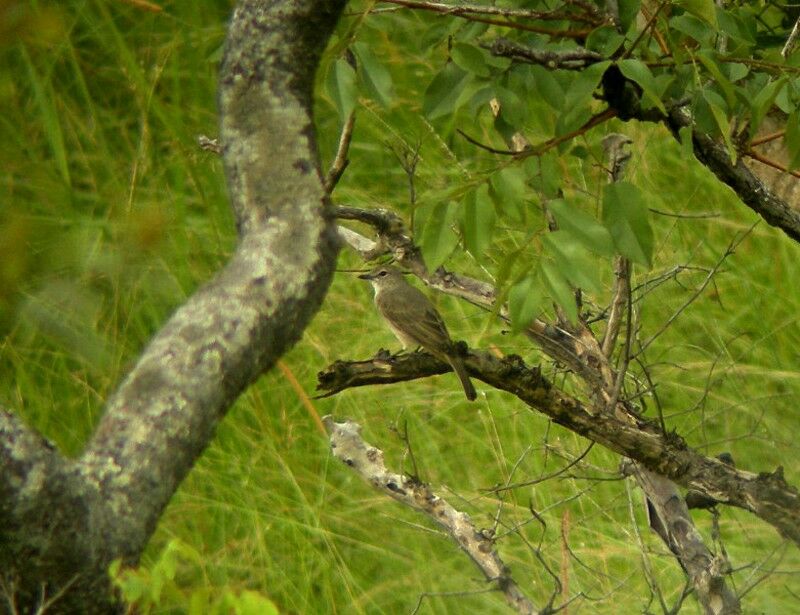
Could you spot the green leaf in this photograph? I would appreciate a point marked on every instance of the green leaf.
(722, 121)
(559, 288)
(583, 227)
(735, 26)
(436, 239)
(508, 189)
(548, 87)
(375, 77)
(524, 303)
(693, 27)
(762, 103)
(722, 81)
(442, 94)
(628, 220)
(735, 71)
(512, 108)
(628, 9)
(250, 602)
(687, 144)
(546, 174)
(573, 260)
(478, 219)
(341, 86)
(470, 30)
(605, 40)
(637, 71)
(471, 58)
(575, 108)
(788, 98)
(704, 9)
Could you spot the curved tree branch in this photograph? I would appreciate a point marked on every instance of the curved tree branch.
(106, 504)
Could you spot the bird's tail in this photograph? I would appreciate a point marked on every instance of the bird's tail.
(461, 371)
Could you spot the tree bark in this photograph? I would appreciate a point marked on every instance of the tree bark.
(63, 521)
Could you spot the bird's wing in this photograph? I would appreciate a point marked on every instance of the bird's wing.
(421, 324)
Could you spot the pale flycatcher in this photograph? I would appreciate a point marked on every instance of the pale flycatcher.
(414, 320)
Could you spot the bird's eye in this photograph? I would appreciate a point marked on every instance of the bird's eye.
(382, 273)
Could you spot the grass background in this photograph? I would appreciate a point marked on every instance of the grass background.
(110, 216)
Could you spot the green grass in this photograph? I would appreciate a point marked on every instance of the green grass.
(111, 216)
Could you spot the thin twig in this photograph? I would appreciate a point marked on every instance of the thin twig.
(488, 148)
(766, 138)
(770, 163)
(340, 161)
(620, 294)
(792, 40)
(644, 31)
(728, 252)
(595, 120)
(626, 354)
(542, 479)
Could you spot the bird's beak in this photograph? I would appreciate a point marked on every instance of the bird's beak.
(366, 276)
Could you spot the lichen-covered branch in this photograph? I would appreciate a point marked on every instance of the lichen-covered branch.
(571, 59)
(367, 461)
(106, 504)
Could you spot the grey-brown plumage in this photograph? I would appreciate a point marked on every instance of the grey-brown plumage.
(414, 320)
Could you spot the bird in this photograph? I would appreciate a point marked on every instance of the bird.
(414, 320)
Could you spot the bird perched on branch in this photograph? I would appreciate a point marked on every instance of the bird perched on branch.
(414, 320)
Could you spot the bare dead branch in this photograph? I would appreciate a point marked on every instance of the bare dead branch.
(367, 461)
(340, 160)
(670, 518)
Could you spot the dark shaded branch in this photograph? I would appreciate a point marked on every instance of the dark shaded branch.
(623, 96)
(749, 188)
(766, 495)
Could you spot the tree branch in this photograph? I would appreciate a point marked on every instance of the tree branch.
(226, 335)
(670, 519)
(573, 59)
(766, 495)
